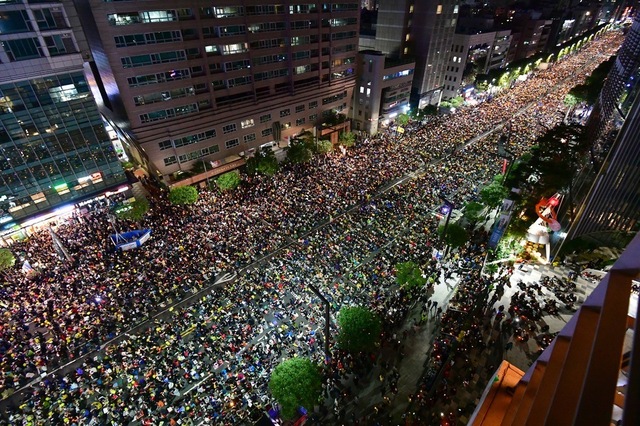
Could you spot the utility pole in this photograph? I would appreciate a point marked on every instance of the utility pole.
(327, 320)
(446, 208)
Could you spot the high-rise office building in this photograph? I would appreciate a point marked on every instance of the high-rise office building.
(486, 50)
(55, 149)
(613, 202)
(183, 81)
(433, 27)
(383, 90)
(420, 30)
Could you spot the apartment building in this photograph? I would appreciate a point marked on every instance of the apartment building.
(182, 81)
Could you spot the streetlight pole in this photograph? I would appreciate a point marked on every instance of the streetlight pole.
(448, 206)
(327, 320)
(503, 152)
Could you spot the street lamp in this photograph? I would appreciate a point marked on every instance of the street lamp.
(446, 208)
(503, 152)
(327, 320)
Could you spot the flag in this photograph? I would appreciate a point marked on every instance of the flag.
(26, 267)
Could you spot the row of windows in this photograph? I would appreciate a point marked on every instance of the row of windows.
(343, 61)
(167, 95)
(269, 59)
(172, 75)
(266, 75)
(153, 58)
(398, 74)
(148, 38)
(163, 114)
(267, 26)
(149, 16)
(193, 155)
(334, 98)
(237, 65)
(30, 48)
(187, 140)
(235, 11)
(232, 127)
(344, 49)
(18, 21)
(267, 44)
(231, 143)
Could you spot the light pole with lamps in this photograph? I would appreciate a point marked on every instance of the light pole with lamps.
(327, 320)
(446, 208)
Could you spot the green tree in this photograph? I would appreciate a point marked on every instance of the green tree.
(472, 212)
(324, 146)
(457, 101)
(298, 152)
(296, 382)
(456, 235)
(409, 276)
(493, 194)
(264, 162)
(228, 181)
(347, 139)
(7, 259)
(359, 329)
(134, 211)
(402, 119)
(183, 195)
(430, 110)
(571, 100)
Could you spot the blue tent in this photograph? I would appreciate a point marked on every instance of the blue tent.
(130, 240)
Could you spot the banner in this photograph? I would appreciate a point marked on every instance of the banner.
(498, 229)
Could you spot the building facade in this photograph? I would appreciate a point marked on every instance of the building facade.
(417, 30)
(382, 92)
(183, 81)
(55, 149)
(486, 50)
(612, 205)
(433, 27)
(530, 36)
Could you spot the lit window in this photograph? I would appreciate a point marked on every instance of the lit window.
(439, 9)
(247, 123)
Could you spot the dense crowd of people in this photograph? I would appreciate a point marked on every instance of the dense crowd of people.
(326, 223)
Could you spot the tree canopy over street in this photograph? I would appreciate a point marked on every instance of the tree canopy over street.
(228, 181)
(264, 162)
(347, 139)
(493, 194)
(409, 276)
(456, 235)
(7, 259)
(294, 383)
(298, 151)
(183, 195)
(359, 329)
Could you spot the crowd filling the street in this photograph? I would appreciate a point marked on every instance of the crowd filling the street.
(341, 222)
